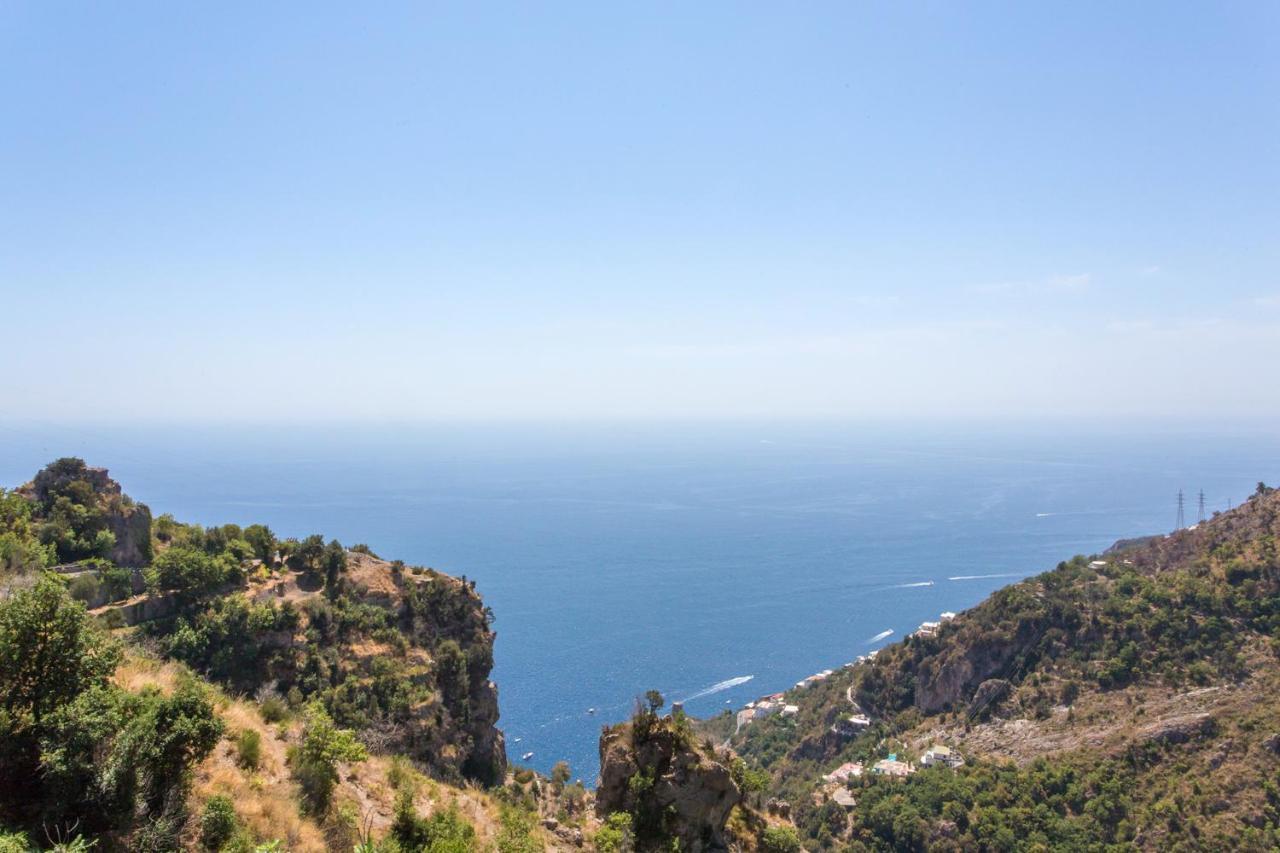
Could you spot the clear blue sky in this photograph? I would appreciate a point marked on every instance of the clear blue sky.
(599, 210)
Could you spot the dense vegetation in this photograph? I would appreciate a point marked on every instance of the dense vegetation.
(1083, 651)
(78, 754)
(341, 668)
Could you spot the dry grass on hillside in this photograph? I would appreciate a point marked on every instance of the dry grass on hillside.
(267, 799)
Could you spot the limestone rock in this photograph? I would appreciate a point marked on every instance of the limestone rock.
(989, 693)
(1176, 730)
(692, 793)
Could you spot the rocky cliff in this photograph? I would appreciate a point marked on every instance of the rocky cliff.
(97, 504)
(401, 654)
(439, 613)
(652, 769)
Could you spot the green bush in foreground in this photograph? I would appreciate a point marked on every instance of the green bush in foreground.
(217, 823)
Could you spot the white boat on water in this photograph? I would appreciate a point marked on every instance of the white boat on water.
(591, 710)
(526, 756)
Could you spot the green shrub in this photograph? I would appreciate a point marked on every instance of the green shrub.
(445, 831)
(780, 839)
(218, 822)
(84, 588)
(14, 842)
(116, 583)
(518, 833)
(273, 709)
(399, 774)
(315, 761)
(249, 749)
(113, 619)
(616, 835)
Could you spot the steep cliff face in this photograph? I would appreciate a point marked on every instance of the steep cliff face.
(950, 678)
(131, 526)
(445, 617)
(653, 770)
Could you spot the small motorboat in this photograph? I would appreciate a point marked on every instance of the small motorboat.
(591, 710)
(526, 756)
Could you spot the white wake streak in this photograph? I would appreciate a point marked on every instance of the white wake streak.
(721, 685)
(878, 637)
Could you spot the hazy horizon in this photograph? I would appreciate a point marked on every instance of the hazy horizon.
(274, 214)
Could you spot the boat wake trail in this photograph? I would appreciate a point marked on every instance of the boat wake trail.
(984, 577)
(878, 637)
(912, 585)
(720, 685)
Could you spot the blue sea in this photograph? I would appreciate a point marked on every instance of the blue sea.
(713, 562)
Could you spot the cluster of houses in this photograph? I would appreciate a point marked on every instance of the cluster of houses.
(836, 784)
(766, 706)
(930, 629)
(814, 679)
(775, 703)
(851, 725)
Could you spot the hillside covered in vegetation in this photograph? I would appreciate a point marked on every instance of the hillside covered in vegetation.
(1123, 701)
(168, 686)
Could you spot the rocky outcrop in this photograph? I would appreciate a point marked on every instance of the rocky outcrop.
(949, 678)
(826, 744)
(459, 736)
(487, 759)
(129, 522)
(653, 770)
(131, 525)
(989, 694)
(1174, 730)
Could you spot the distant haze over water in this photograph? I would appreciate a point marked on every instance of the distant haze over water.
(712, 562)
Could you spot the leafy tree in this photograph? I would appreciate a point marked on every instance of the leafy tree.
(335, 563)
(20, 547)
(116, 583)
(167, 737)
(49, 652)
(166, 527)
(187, 569)
(74, 519)
(261, 540)
(75, 749)
(306, 556)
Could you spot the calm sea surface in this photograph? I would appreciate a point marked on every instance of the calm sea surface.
(715, 562)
